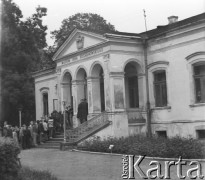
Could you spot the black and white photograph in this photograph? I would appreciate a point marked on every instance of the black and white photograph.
(102, 89)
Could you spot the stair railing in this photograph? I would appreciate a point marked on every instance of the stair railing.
(88, 125)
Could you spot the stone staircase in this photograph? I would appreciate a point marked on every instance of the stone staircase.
(85, 130)
(53, 143)
(76, 135)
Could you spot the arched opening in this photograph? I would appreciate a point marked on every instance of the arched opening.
(45, 104)
(98, 88)
(67, 89)
(81, 84)
(131, 85)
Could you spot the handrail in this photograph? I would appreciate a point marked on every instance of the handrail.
(88, 125)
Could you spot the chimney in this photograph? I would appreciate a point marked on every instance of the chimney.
(172, 19)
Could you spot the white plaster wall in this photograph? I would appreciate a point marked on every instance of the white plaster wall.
(45, 82)
(186, 129)
(175, 50)
(118, 127)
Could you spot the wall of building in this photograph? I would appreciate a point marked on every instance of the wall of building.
(180, 116)
(45, 84)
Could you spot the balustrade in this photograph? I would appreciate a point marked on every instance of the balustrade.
(86, 127)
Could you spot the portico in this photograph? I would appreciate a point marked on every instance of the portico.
(96, 74)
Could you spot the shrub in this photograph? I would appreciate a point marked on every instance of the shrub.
(9, 151)
(29, 174)
(155, 147)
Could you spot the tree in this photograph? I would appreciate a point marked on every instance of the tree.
(84, 21)
(22, 46)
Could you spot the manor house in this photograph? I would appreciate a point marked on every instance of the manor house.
(128, 78)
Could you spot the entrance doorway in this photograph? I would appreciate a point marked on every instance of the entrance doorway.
(98, 88)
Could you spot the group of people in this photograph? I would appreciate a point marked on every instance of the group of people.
(30, 136)
(37, 132)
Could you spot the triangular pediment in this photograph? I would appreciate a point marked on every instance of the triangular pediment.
(77, 41)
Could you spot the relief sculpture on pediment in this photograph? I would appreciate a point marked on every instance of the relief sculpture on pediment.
(80, 42)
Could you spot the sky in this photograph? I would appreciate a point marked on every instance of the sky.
(125, 15)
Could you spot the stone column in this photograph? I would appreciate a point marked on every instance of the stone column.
(118, 90)
(119, 115)
(96, 98)
(90, 96)
(75, 105)
(58, 89)
(74, 94)
(80, 90)
(66, 93)
(107, 83)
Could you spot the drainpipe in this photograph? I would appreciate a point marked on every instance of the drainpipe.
(148, 123)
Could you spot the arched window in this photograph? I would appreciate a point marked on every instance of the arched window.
(131, 85)
(199, 81)
(160, 88)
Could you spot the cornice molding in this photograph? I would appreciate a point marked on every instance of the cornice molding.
(43, 72)
(157, 63)
(195, 54)
(75, 55)
(117, 74)
(44, 89)
(44, 80)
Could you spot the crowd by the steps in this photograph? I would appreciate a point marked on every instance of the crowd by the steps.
(37, 132)
(30, 136)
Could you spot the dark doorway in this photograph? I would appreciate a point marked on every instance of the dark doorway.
(45, 104)
(102, 96)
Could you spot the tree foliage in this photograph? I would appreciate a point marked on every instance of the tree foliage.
(84, 21)
(22, 52)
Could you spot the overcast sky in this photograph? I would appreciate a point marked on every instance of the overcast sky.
(125, 15)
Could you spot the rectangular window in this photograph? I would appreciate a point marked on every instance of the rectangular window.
(200, 134)
(161, 134)
(160, 89)
(199, 81)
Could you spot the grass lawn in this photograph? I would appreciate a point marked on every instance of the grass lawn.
(67, 165)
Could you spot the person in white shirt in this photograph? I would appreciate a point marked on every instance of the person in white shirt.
(50, 127)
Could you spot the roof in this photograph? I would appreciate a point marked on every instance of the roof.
(153, 32)
(163, 29)
(43, 72)
(149, 34)
(75, 29)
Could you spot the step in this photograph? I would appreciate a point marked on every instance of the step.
(53, 142)
(58, 133)
(59, 136)
(56, 139)
(83, 148)
(48, 147)
(50, 144)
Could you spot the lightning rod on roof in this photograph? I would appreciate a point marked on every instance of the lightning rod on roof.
(145, 19)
